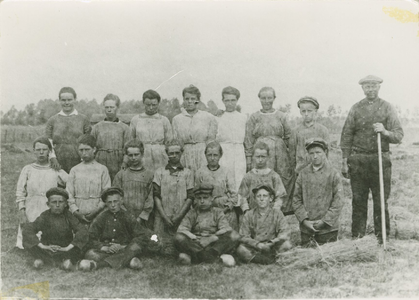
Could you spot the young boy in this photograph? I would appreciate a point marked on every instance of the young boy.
(86, 182)
(224, 193)
(136, 182)
(318, 196)
(63, 236)
(264, 231)
(261, 174)
(308, 129)
(204, 234)
(116, 238)
(172, 191)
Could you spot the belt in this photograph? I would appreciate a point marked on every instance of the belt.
(110, 150)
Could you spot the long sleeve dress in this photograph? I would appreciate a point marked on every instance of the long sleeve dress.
(224, 193)
(194, 131)
(231, 134)
(34, 182)
(274, 130)
(64, 131)
(154, 131)
(110, 140)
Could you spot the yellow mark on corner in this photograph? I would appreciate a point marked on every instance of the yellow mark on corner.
(38, 290)
(401, 15)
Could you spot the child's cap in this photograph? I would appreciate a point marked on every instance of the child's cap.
(309, 99)
(203, 188)
(316, 142)
(265, 187)
(57, 191)
(111, 191)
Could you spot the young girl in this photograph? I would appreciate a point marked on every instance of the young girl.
(34, 181)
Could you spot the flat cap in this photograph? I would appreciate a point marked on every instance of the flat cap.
(265, 187)
(203, 188)
(309, 99)
(370, 78)
(316, 142)
(111, 191)
(57, 191)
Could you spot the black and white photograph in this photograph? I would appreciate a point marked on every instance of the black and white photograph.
(209, 149)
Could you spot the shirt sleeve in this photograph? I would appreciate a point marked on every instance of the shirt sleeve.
(347, 136)
(222, 222)
(81, 235)
(231, 189)
(168, 131)
(49, 130)
(280, 192)
(94, 131)
(281, 227)
(106, 183)
(243, 194)
(157, 184)
(149, 203)
(190, 183)
(333, 213)
(117, 180)
(394, 127)
(95, 232)
(62, 178)
(29, 231)
(71, 191)
(187, 222)
(292, 146)
(245, 231)
(87, 128)
(287, 130)
(132, 126)
(297, 202)
(21, 189)
(249, 139)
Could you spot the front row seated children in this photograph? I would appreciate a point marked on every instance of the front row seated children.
(261, 174)
(86, 182)
(318, 197)
(204, 235)
(136, 182)
(264, 231)
(116, 238)
(172, 190)
(63, 236)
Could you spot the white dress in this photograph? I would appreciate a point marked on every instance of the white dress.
(231, 134)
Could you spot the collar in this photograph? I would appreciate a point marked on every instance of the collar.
(172, 170)
(324, 166)
(116, 120)
(268, 113)
(308, 126)
(267, 211)
(263, 172)
(75, 113)
(215, 169)
(368, 102)
(185, 113)
(137, 170)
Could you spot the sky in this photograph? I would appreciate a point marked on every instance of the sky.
(315, 48)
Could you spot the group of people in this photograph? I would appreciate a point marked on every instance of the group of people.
(219, 187)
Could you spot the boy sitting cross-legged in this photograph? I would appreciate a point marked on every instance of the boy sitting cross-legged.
(204, 235)
(63, 236)
(116, 238)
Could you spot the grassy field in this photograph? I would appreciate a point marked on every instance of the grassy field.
(397, 276)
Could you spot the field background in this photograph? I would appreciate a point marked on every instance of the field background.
(397, 276)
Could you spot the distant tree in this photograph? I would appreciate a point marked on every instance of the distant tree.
(212, 107)
(331, 111)
(285, 109)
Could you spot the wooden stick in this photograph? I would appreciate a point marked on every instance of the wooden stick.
(383, 214)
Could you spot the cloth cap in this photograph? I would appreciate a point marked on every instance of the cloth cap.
(370, 78)
(265, 187)
(309, 99)
(316, 142)
(57, 191)
(111, 190)
(204, 188)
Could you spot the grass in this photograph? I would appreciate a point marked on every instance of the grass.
(397, 276)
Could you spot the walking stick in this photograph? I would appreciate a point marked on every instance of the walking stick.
(380, 171)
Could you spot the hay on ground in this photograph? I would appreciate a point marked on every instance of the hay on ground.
(331, 254)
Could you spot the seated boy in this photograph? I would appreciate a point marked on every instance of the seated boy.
(172, 191)
(318, 196)
(264, 231)
(63, 236)
(116, 238)
(136, 182)
(261, 174)
(86, 182)
(204, 234)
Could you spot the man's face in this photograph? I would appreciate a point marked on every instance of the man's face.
(41, 152)
(86, 152)
(110, 109)
(317, 156)
(371, 90)
(174, 153)
(213, 157)
(204, 201)
(263, 198)
(230, 102)
(190, 102)
(57, 204)
(267, 99)
(67, 102)
(308, 111)
(134, 157)
(151, 106)
(113, 203)
(261, 158)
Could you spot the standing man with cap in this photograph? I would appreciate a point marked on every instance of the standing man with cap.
(366, 118)
(307, 129)
(318, 196)
(204, 234)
